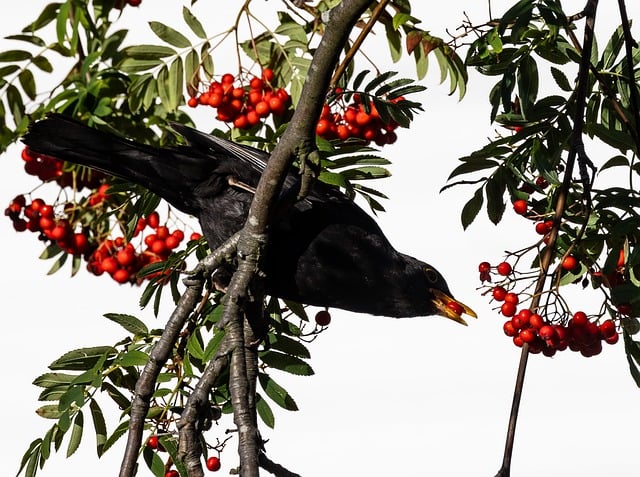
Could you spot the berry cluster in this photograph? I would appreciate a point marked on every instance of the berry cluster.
(354, 120)
(579, 334)
(245, 107)
(122, 261)
(39, 217)
(48, 168)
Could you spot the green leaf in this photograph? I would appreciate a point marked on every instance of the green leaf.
(264, 411)
(289, 346)
(28, 83)
(153, 461)
(149, 52)
(614, 162)
(194, 23)
(76, 434)
(213, 345)
(527, 77)
(81, 359)
(48, 380)
(287, 363)
(175, 84)
(133, 357)
(99, 425)
(495, 188)
(168, 34)
(471, 208)
(14, 55)
(473, 165)
(277, 393)
(73, 395)
(194, 345)
(561, 80)
(366, 172)
(49, 411)
(47, 15)
(130, 323)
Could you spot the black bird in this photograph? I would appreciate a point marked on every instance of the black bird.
(323, 250)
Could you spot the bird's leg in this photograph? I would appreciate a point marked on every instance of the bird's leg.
(309, 160)
(234, 182)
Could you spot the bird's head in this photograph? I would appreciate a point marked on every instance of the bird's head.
(443, 303)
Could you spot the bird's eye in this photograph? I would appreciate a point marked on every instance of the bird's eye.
(431, 274)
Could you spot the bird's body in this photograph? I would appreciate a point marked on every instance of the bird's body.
(323, 250)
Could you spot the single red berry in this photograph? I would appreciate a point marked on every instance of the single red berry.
(213, 464)
(536, 321)
(195, 236)
(508, 309)
(153, 442)
(241, 122)
(509, 329)
(159, 247)
(541, 182)
(125, 257)
(263, 109)
(267, 75)
(162, 232)
(256, 83)
(607, 329)
(579, 318)
(153, 220)
(109, 265)
(323, 318)
(172, 473)
(484, 267)
(499, 293)
(192, 102)
(613, 339)
(547, 332)
(527, 335)
(227, 79)
(172, 242)
(121, 275)
(504, 268)
(569, 262)
(521, 319)
(455, 307)
(518, 341)
(512, 298)
(323, 127)
(520, 206)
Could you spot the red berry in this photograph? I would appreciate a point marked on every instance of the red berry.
(263, 109)
(121, 275)
(579, 319)
(153, 442)
(256, 83)
(569, 262)
(159, 247)
(541, 228)
(172, 242)
(59, 232)
(547, 332)
(527, 335)
(153, 220)
(46, 211)
(253, 118)
(267, 75)
(195, 236)
(172, 473)
(109, 265)
(512, 298)
(455, 307)
(192, 102)
(213, 464)
(125, 257)
(607, 329)
(613, 339)
(504, 268)
(521, 319)
(241, 122)
(509, 329)
(508, 309)
(484, 267)
(323, 127)
(323, 318)
(520, 206)
(541, 182)
(499, 293)
(536, 321)
(276, 105)
(227, 79)
(162, 232)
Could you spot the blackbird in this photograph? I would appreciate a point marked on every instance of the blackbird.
(323, 250)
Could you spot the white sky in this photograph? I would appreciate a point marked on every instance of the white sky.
(390, 397)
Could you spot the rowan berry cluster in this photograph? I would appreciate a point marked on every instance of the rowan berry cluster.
(245, 106)
(122, 261)
(356, 120)
(77, 229)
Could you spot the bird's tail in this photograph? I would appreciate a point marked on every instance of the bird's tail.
(68, 140)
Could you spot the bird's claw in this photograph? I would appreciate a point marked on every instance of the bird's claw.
(309, 160)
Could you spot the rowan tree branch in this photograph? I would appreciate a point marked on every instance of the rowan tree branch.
(576, 148)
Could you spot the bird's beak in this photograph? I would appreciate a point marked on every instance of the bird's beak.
(441, 301)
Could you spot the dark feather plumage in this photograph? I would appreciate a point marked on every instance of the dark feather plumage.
(323, 250)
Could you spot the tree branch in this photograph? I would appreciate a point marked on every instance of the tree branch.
(577, 147)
